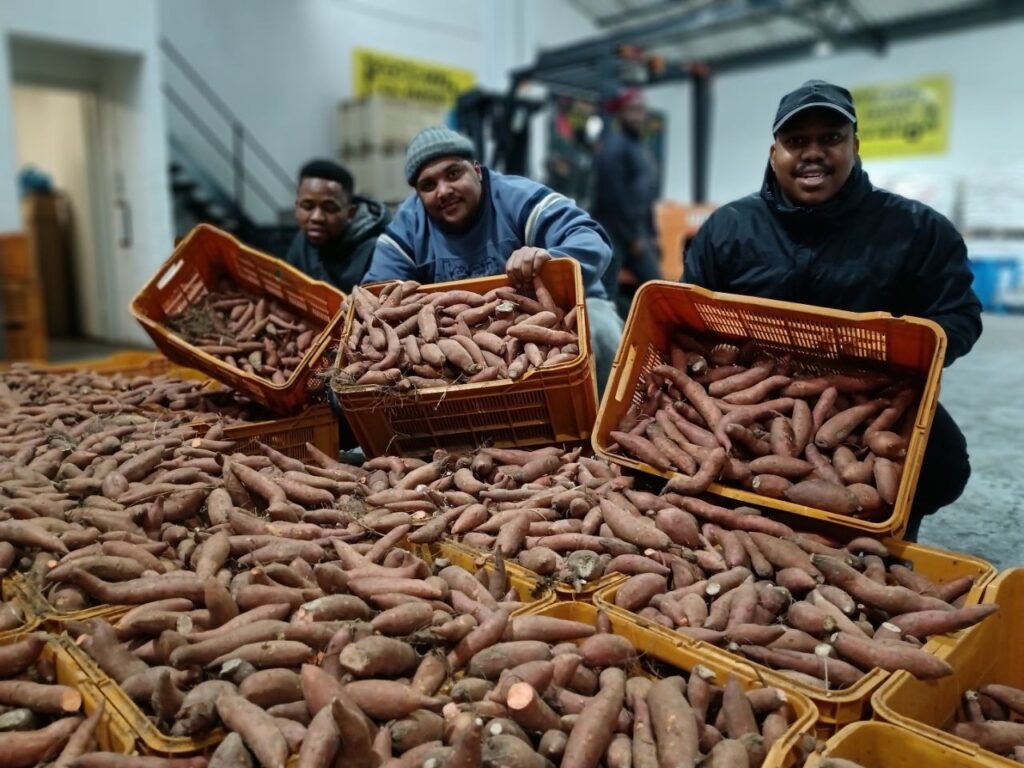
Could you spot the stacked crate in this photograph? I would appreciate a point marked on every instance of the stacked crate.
(22, 320)
(372, 136)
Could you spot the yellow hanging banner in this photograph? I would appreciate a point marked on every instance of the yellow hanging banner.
(907, 118)
(400, 77)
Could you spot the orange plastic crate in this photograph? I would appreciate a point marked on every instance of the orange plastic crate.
(879, 745)
(825, 340)
(550, 405)
(837, 708)
(989, 653)
(203, 259)
(289, 435)
(17, 259)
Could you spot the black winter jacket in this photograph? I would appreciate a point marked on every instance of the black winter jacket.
(864, 250)
(626, 187)
(344, 261)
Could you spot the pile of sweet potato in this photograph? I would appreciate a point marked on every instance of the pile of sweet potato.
(408, 339)
(274, 597)
(199, 399)
(823, 610)
(773, 425)
(258, 335)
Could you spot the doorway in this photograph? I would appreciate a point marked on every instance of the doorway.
(90, 123)
(57, 151)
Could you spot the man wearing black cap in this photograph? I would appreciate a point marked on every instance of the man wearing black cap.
(819, 233)
(464, 220)
(337, 229)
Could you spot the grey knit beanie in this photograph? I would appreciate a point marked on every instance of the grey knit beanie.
(432, 143)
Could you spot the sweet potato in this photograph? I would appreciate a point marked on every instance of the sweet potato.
(675, 729)
(375, 656)
(1000, 737)
(595, 727)
(922, 624)
(823, 495)
(869, 654)
(489, 662)
(387, 699)
(258, 729)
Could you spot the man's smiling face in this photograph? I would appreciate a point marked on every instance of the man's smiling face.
(813, 154)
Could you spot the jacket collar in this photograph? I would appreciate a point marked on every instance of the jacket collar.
(852, 194)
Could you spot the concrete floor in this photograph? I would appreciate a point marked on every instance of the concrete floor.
(72, 350)
(984, 392)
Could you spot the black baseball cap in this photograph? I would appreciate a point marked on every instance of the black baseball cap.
(814, 93)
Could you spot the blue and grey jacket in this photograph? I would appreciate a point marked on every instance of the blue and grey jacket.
(514, 212)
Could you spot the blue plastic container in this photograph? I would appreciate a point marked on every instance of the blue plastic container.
(994, 277)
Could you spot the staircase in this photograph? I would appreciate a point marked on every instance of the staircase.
(220, 173)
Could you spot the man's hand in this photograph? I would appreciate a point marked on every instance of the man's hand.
(524, 263)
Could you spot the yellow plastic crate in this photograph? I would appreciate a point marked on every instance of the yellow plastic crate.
(529, 589)
(112, 732)
(563, 590)
(16, 586)
(879, 745)
(988, 653)
(150, 740)
(837, 708)
(684, 656)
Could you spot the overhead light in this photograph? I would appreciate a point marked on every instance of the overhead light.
(823, 47)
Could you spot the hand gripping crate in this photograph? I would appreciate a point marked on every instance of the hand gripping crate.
(663, 652)
(825, 340)
(839, 707)
(204, 258)
(549, 405)
(880, 745)
(989, 653)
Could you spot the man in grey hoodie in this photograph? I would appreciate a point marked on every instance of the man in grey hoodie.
(337, 229)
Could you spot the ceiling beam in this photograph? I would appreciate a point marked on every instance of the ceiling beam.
(979, 14)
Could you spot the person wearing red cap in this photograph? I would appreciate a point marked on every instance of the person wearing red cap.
(820, 233)
(626, 188)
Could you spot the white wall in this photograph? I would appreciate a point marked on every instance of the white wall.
(121, 36)
(987, 108)
(283, 67)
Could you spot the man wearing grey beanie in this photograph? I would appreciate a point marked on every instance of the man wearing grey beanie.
(464, 220)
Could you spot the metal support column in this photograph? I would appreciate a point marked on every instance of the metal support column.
(701, 80)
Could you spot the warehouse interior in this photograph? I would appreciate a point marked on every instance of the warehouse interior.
(127, 124)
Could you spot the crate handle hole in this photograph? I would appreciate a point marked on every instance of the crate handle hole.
(168, 275)
(624, 379)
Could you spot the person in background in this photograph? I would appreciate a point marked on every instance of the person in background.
(625, 191)
(337, 229)
(464, 220)
(819, 233)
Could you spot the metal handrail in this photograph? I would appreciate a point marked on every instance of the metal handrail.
(230, 156)
(241, 139)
